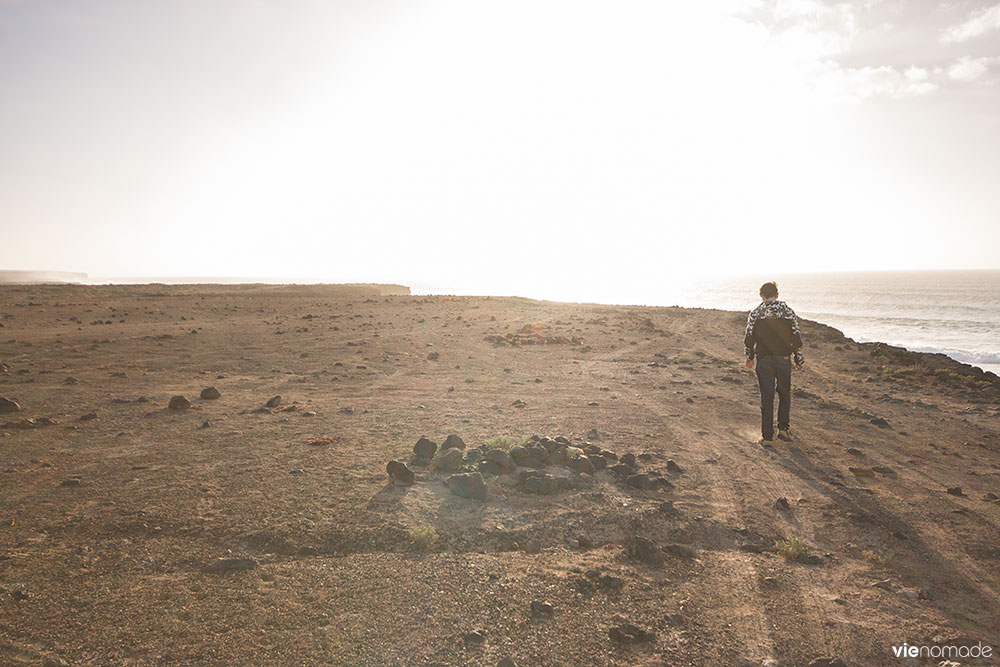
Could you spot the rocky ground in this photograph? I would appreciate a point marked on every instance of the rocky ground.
(257, 524)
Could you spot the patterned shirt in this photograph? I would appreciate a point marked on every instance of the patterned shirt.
(773, 329)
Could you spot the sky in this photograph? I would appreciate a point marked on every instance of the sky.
(575, 150)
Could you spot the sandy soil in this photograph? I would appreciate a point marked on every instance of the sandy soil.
(119, 566)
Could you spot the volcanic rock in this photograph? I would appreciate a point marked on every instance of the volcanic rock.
(643, 549)
(425, 449)
(452, 442)
(581, 464)
(399, 473)
(449, 460)
(210, 393)
(522, 457)
(468, 485)
(626, 633)
(501, 458)
(539, 483)
(541, 608)
(179, 403)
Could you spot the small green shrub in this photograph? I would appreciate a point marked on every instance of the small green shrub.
(423, 537)
(792, 547)
(879, 558)
(504, 442)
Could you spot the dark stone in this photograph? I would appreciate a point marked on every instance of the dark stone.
(878, 421)
(622, 469)
(210, 393)
(581, 464)
(541, 608)
(488, 467)
(598, 461)
(473, 455)
(452, 442)
(70, 482)
(474, 638)
(179, 403)
(468, 485)
(399, 473)
(273, 402)
(449, 460)
(538, 453)
(425, 448)
(673, 467)
(626, 633)
(628, 459)
(680, 551)
(810, 559)
(521, 456)
(956, 491)
(663, 483)
(781, 503)
(643, 549)
(7, 406)
(640, 481)
(539, 483)
(88, 417)
(501, 458)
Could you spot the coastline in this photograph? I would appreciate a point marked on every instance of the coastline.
(891, 484)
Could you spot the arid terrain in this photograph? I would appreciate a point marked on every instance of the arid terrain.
(229, 532)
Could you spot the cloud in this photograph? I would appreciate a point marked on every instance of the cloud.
(979, 22)
(970, 69)
(836, 83)
(816, 27)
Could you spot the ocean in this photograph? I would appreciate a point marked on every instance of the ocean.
(954, 312)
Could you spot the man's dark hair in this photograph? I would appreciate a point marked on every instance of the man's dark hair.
(769, 290)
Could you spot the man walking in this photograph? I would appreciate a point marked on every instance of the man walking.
(773, 335)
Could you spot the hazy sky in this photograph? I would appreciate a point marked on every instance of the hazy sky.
(565, 149)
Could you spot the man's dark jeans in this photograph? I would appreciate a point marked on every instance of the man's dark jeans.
(773, 371)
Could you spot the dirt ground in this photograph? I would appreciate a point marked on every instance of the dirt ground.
(116, 511)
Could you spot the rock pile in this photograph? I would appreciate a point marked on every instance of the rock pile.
(468, 467)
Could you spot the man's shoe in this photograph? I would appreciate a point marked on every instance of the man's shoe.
(764, 442)
(784, 434)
